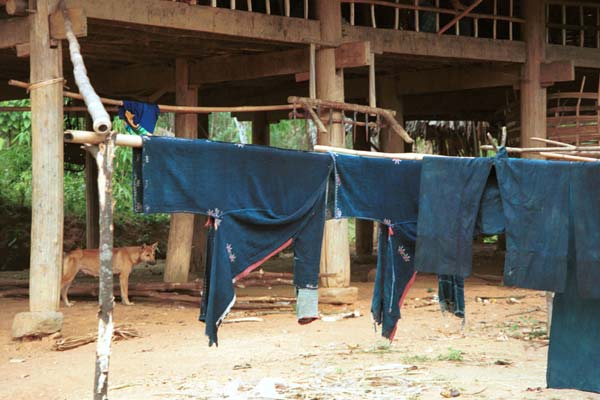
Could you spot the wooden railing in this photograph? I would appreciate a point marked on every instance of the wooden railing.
(494, 19)
(573, 23)
(574, 117)
(286, 8)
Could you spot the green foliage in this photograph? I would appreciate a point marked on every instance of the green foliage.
(289, 135)
(416, 359)
(224, 128)
(452, 355)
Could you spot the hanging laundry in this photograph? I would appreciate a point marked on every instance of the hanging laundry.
(386, 191)
(585, 193)
(535, 201)
(140, 118)
(260, 200)
(449, 202)
(574, 353)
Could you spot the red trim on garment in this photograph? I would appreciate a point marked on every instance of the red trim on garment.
(408, 285)
(257, 264)
(390, 231)
(209, 222)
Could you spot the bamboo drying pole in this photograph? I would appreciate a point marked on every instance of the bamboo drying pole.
(86, 137)
(101, 121)
(174, 109)
(567, 157)
(546, 149)
(394, 156)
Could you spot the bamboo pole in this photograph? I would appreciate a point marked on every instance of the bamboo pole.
(567, 157)
(101, 120)
(363, 153)
(65, 108)
(312, 81)
(545, 149)
(86, 137)
(173, 109)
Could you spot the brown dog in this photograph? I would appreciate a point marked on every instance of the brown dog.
(124, 259)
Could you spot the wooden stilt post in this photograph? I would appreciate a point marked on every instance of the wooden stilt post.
(182, 224)
(363, 228)
(260, 129)
(47, 185)
(198, 261)
(388, 97)
(533, 95)
(335, 257)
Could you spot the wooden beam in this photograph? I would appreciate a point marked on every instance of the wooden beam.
(457, 78)
(431, 45)
(289, 62)
(78, 20)
(14, 31)
(582, 57)
(557, 71)
(181, 16)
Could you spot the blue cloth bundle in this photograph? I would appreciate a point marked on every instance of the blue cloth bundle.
(260, 200)
(140, 118)
(386, 191)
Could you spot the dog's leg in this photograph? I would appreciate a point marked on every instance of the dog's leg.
(124, 284)
(69, 272)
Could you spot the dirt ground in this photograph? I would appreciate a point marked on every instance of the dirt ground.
(500, 353)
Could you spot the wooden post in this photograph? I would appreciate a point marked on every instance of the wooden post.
(335, 257)
(198, 259)
(361, 141)
(260, 129)
(182, 224)
(363, 228)
(47, 181)
(533, 95)
(388, 97)
(104, 154)
(92, 209)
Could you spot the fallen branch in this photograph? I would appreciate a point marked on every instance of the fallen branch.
(532, 310)
(72, 342)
